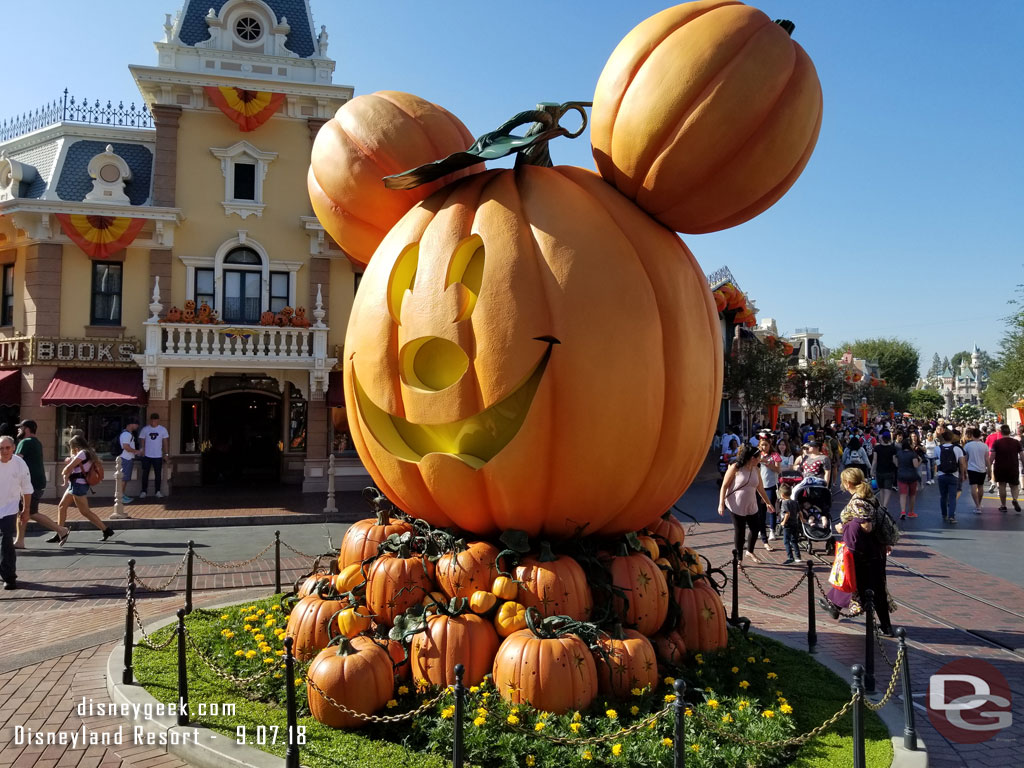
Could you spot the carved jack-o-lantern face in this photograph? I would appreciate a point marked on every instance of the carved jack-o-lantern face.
(530, 350)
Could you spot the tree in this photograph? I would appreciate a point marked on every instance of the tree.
(925, 403)
(945, 364)
(966, 414)
(821, 384)
(755, 374)
(880, 398)
(897, 360)
(1006, 378)
(958, 359)
(936, 367)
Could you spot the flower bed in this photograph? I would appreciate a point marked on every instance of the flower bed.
(756, 688)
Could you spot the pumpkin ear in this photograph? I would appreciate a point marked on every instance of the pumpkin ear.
(403, 277)
(467, 269)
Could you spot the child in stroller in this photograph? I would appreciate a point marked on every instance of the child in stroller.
(815, 500)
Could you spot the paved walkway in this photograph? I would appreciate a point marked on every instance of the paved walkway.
(74, 600)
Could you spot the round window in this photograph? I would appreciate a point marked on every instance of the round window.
(248, 28)
(110, 173)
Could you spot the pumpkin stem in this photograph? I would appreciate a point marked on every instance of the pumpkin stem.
(345, 647)
(547, 555)
(787, 25)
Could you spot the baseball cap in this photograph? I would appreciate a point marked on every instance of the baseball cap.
(27, 423)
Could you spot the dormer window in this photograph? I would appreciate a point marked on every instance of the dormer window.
(109, 173)
(244, 168)
(249, 29)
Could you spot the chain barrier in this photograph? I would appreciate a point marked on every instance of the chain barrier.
(769, 595)
(881, 646)
(378, 718)
(243, 681)
(794, 741)
(236, 563)
(297, 552)
(165, 584)
(565, 740)
(896, 667)
(146, 642)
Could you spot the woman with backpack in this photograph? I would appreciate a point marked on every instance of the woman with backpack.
(856, 457)
(76, 475)
(869, 533)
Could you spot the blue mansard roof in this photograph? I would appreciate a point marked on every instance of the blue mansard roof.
(300, 38)
(74, 182)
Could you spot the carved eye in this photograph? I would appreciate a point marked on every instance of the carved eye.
(403, 276)
(467, 269)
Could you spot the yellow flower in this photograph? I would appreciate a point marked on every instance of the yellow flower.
(392, 703)
(485, 694)
(587, 755)
(298, 681)
(250, 654)
(224, 617)
(670, 697)
(669, 680)
(575, 727)
(616, 749)
(734, 670)
(744, 684)
(576, 717)
(742, 705)
(539, 726)
(713, 703)
(695, 747)
(402, 690)
(258, 637)
(778, 693)
(531, 760)
(544, 715)
(269, 660)
(634, 710)
(251, 619)
(260, 612)
(271, 622)
(786, 709)
(637, 692)
(474, 688)
(481, 711)
(447, 713)
(772, 676)
(247, 628)
(688, 712)
(275, 607)
(277, 675)
(666, 742)
(239, 653)
(611, 714)
(225, 632)
(512, 720)
(768, 713)
(726, 718)
(766, 660)
(751, 659)
(279, 653)
(479, 721)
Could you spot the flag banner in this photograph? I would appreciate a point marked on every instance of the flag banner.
(100, 236)
(250, 109)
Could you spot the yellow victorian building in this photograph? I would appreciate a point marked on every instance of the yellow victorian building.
(166, 259)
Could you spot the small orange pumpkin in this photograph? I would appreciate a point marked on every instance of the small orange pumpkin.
(554, 584)
(312, 583)
(645, 604)
(505, 588)
(667, 531)
(632, 663)
(702, 616)
(448, 640)
(357, 674)
(364, 537)
(395, 582)
(351, 576)
(352, 620)
(705, 114)
(482, 602)
(650, 546)
(511, 617)
(468, 569)
(669, 647)
(312, 623)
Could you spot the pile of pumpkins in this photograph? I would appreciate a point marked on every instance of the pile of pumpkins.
(400, 605)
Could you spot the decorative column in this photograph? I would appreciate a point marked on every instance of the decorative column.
(165, 169)
(43, 264)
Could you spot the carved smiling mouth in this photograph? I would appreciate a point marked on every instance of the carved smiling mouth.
(474, 440)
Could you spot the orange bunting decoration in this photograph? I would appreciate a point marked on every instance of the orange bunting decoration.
(719, 301)
(250, 109)
(100, 236)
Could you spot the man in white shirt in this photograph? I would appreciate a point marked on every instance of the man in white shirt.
(15, 488)
(155, 440)
(978, 461)
(128, 454)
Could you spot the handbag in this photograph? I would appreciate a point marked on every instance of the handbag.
(842, 575)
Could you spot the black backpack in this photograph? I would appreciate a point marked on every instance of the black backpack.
(947, 460)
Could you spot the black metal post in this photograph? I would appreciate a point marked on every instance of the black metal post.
(869, 641)
(291, 755)
(188, 575)
(859, 759)
(277, 562)
(735, 587)
(679, 742)
(460, 695)
(128, 675)
(182, 671)
(909, 729)
(812, 628)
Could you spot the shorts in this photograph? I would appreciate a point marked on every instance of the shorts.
(908, 487)
(78, 489)
(33, 507)
(976, 478)
(886, 481)
(1011, 477)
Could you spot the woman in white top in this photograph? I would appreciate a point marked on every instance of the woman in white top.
(931, 456)
(76, 467)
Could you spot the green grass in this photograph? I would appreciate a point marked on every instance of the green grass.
(814, 692)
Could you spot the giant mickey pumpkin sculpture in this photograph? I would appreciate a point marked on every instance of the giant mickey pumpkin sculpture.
(533, 349)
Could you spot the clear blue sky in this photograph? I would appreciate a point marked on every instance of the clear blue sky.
(902, 223)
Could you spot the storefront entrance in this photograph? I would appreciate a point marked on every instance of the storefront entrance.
(244, 433)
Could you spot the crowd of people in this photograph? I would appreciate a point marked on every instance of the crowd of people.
(779, 483)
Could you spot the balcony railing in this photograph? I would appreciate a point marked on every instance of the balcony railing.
(254, 342)
(68, 109)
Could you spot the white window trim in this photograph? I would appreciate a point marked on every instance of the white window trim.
(216, 263)
(243, 151)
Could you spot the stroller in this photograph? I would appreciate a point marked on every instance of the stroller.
(815, 500)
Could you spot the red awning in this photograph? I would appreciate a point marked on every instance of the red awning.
(10, 387)
(335, 390)
(95, 386)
